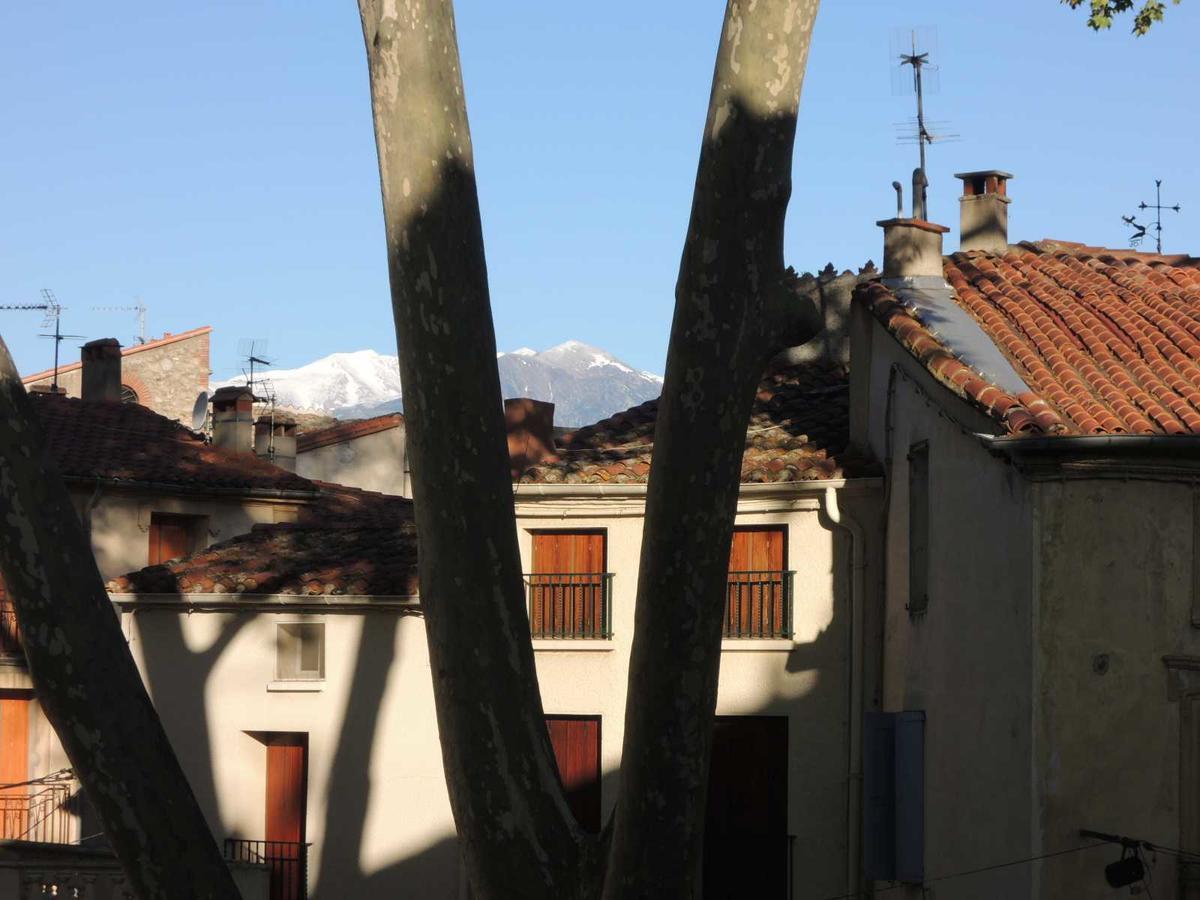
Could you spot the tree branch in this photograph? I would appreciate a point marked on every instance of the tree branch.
(85, 678)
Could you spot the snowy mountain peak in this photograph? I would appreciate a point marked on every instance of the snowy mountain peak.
(585, 383)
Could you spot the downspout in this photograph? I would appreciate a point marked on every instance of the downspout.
(854, 700)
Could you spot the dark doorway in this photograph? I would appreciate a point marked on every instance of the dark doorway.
(576, 742)
(746, 847)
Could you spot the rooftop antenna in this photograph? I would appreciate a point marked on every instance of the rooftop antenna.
(1139, 233)
(912, 49)
(54, 314)
(254, 351)
(139, 308)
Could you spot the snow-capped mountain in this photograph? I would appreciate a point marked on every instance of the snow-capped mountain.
(584, 382)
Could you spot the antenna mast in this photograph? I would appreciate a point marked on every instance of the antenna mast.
(139, 308)
(917, 60)
(53, 310)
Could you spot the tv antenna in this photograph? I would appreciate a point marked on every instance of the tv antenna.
(913, 49)
(254, 352)
(1139, 233)
(139, 308)
(53, 315)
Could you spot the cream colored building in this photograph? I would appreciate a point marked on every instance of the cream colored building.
(370, 454)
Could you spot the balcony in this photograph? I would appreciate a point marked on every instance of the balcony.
(570, 605)
(10, 641)
(37, 813)
(287, 862)
(758, 605)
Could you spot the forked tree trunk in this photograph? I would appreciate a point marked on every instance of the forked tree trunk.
(735, 307)
(85, 678)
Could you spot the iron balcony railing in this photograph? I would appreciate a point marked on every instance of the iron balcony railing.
(10, 640)
(570, 605)
(758, 605)
(286, 860)
(36, 813)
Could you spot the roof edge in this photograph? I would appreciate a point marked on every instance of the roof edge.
(125, 351)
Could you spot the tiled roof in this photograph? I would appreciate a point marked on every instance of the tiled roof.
(349, 543)
(798, 432)
(346, 431)
(127, 351)
(1107, 341)
(128, 442)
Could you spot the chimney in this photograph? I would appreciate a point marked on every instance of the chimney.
(912, 248)
(983, 211)
(48, 389)
(233, 419)
(530, 425)
(101, 361)
(275, 441)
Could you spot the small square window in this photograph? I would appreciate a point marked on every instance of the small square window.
(300, 651)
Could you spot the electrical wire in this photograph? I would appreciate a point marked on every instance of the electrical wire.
(53, 777)
(964, 873)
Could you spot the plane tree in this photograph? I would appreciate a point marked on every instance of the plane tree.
(737, 304)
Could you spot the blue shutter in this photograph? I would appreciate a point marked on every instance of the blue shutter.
(894, 796)
(910, 796)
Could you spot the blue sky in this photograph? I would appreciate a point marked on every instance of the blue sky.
(216, 159)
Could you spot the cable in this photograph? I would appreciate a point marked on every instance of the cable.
(53, 777)
(966, 872)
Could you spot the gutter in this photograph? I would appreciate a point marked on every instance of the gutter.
(854, 701)
(530, 491)
(270, 493)
(314, 603)
(1086, 445)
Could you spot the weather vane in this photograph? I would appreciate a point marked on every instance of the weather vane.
(1140, 230)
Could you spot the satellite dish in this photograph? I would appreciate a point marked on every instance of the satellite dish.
(200, 411)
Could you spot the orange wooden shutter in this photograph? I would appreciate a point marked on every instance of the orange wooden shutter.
(14, 766)
(755, 597)
(576, 742)
(573, 602)
(286, 788)
(170, 537)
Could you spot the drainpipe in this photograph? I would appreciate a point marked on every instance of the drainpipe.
(854, 701)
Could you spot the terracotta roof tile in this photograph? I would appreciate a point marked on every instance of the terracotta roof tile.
(128, 442)
(1108, 341)
(798, 431)
(350, 542)
(346, 431)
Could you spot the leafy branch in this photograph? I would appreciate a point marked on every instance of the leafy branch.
(1103, 12)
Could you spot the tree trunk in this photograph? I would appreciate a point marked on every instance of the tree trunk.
(85, 678)
(517, 834)
(735, 307)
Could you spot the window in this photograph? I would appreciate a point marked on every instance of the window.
(894, 796)
(300, 651)
(172, 536)
(758, 601)
(128, 394)
(918, 528)
(569, 591)
(576, 743)
(10, 641)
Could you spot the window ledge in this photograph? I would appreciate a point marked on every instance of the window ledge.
(587, 645)
(297, 686)
(753, 645)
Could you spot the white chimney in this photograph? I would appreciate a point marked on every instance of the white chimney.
(233, 419)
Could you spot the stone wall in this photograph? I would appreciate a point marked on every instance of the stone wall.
(166, 374)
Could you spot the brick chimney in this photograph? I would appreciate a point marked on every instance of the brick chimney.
(530, 425)
(275, 441)
(101, 375)
(912, 248)
(983, 211)
(233, 419)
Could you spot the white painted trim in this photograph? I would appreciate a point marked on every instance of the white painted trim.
(534, 492)
(586, 645)
(297, 686)
(285, 603)
(756, 645)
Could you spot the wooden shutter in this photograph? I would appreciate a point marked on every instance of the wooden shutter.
(746, 847)
(10, 644)
(171, 537)
(576, 742)
(287, 797)
(573, 604)
(14, 766)
(756, 596)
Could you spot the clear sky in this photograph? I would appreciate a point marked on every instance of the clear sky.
(216, 159)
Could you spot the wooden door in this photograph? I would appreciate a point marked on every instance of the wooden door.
(576, 742)
(14, 766)
(567, 584)
(171, 537)
(287, 797)
(755, 600)
(746, 847)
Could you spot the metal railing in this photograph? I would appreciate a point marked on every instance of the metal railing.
(10, 638)
(287, 861)
(36, 813)
(570, 605)
(758, 605)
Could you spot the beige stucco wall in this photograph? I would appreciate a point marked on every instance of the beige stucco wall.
(374, 462)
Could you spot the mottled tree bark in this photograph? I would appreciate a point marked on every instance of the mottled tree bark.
(735, 308)
(85, 678)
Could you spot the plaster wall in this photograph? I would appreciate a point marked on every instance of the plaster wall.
(373, 462)
(967, 660)
(1115, 597)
